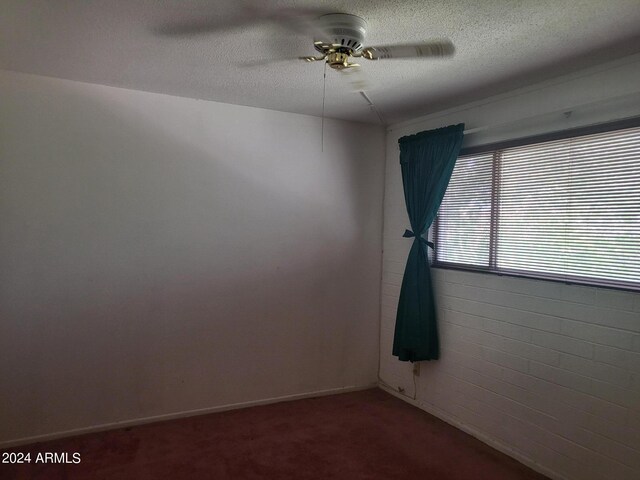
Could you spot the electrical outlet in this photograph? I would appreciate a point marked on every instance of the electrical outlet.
(416, 369)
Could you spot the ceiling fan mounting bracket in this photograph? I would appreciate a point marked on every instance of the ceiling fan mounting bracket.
(341, 37)
(344, 32)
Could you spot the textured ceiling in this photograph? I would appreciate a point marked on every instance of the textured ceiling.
(501, 45)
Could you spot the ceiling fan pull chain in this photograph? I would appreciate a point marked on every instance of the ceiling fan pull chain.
(324, 89)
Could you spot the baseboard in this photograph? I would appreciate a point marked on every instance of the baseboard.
(171, 416)
(501, 447)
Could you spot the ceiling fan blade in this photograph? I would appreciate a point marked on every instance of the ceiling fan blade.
(432, 49)
(249, 13)
(272, 61)
(207, 25)
(300, 20)
(360, 84)
(356, 78)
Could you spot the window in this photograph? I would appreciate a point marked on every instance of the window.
(562, 207)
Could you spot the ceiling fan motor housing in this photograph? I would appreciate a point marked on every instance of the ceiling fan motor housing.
(348, 31)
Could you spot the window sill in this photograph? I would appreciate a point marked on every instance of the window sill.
(542, 277)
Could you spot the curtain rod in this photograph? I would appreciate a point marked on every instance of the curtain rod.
(523, 119)
(567, 112)
(571, 132)
(594, 124)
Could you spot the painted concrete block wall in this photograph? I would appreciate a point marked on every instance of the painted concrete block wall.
(161, 255)
(547, 372)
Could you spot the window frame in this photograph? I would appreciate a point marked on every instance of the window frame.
(497, 148)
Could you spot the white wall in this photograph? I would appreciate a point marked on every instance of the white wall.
(161, 255)
(549, 373)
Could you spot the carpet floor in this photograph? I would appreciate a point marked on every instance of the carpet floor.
(362, 435)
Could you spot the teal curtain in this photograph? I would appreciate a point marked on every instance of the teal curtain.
(427, 160)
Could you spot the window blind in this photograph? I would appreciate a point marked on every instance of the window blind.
(565, 209)
(463, 225)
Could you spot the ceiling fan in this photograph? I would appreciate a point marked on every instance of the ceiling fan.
(337, 37)
(341, 36)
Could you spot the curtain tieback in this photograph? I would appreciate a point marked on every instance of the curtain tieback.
(410, 234)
